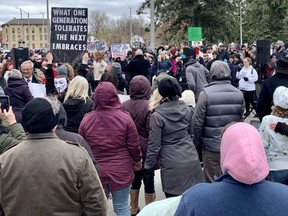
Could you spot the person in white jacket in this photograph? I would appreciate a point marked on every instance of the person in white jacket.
(99, 66)
(247, 76)
(275, 144)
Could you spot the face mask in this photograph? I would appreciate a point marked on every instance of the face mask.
(60, 84)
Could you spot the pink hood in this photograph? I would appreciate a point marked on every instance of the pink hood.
(242, 154)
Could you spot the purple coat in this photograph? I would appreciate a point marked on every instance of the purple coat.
(113, 138)
(138, 108)
(19, 94)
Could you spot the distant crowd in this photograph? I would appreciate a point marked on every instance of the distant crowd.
(104, 126)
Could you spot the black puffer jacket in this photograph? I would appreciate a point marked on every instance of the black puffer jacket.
(76, 108)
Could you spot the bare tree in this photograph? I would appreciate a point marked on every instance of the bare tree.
(98, 22)
(121, 27)
(114, 30)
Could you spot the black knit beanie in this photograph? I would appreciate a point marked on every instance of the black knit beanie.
(38, 116)
(169, 87)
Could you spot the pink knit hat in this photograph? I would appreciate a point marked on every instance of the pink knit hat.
(242, 154)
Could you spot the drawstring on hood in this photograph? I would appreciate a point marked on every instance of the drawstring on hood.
(242, 154)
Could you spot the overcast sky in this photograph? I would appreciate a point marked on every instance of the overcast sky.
(113, 8)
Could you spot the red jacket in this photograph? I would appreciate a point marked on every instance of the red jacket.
(113, 138)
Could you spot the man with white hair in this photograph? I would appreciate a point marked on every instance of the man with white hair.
(27, 69)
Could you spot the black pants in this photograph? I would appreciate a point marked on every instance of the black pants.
(94, 85)
(249, 98)
(148, 179)
(167, 195)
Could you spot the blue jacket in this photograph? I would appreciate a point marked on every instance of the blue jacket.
(228, 197)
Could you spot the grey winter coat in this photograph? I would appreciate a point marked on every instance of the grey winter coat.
(197, 76)
(171, 140)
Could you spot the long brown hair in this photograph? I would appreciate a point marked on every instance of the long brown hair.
(98, 56)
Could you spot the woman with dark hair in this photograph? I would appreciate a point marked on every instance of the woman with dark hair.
(171, 140)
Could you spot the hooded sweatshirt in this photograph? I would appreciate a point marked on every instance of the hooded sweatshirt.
(138, 108)
(242, 189)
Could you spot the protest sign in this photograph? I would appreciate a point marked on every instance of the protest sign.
(194, 34)
(119, 50)
(37, 90)
(123, 98)
(69, 27)
(93, 46)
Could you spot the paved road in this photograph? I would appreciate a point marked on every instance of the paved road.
(159, 194)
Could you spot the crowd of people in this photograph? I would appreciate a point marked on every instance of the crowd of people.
(106, 124)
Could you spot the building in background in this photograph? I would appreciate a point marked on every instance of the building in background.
(137, 41)
(31, 33)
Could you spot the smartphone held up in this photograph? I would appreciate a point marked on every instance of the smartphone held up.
(5, 103)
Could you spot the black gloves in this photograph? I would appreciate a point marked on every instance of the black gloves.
(246, 79)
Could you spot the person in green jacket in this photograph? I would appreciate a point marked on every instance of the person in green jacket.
(11, 132)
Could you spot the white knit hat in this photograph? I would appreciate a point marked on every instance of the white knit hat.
(188, 97)
(280, 97)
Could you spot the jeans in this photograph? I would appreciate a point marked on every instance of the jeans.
(280, 176)
(120, 201)
(148, 179)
